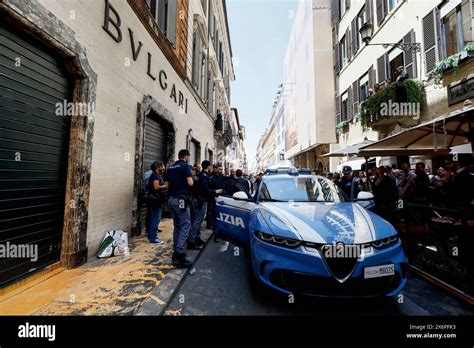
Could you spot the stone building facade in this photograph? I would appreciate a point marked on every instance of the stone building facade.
(129, 64)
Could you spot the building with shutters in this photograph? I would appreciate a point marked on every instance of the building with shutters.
(235, 152)
(442, 28)
(307, 88)
(91, 93)
(271, 147)
(261, 159)
(268, 146)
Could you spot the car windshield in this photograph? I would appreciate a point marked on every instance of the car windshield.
(300, 189)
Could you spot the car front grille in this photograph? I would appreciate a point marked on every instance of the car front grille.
(303, 283)
(341, 267)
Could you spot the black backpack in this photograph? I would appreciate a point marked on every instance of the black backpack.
(154, 197)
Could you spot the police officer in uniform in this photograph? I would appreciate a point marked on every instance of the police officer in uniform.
(350, 184)
(180, 180)
(216, 183)
(202, 194)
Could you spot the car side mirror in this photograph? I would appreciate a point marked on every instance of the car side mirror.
(365, 196)
(240, 196)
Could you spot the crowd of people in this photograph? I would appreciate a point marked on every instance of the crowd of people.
(451, 186)
(190, 193)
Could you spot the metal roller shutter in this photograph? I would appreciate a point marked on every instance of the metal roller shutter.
(155, 150)
(34, 146)
(193, 153)
(155, 143)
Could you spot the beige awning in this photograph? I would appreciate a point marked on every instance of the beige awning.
(432, 138)
(350, 150)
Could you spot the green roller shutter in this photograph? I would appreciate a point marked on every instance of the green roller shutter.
(34, 144)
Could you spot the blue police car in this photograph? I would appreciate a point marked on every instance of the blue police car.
(306, 238)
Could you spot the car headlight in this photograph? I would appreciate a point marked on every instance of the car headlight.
(281, 241)
(383, 243)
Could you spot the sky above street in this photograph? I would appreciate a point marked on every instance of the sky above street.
(259, 33)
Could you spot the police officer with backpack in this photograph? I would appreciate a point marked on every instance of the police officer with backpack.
(180, 180)
(156, 197)
(202, 194)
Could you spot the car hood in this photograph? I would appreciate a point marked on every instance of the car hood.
(327, 223)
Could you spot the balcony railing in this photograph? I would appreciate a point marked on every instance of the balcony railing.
(223, 130)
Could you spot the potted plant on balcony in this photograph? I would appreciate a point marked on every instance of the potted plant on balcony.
(451, 63)
(370, 111)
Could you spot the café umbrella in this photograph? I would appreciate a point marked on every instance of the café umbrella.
(351, 150)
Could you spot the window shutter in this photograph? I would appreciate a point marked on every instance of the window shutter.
(414, 56)
(430, 40)
(350, 101)
(335, 11)
(171, 25)
(381, 69)
(210, 19)
(380, 11)
(355, 92)
(161, 15)
(385, 9)
(348, 47)
(337, 100)
(196, 60)
(369, 11)
(349, 44)
(210, 105)
(355, 34)
(205, 88)
(410, 57)
(337, 51)
(371, 77)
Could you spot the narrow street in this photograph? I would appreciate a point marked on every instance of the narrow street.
(222, 286)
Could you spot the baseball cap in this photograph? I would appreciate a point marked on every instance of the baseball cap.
(346, 169)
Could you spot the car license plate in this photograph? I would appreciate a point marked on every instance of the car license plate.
(379, 271)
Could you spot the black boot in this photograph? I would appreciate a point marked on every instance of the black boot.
(181, 261)
(199, 241)
(194, 246)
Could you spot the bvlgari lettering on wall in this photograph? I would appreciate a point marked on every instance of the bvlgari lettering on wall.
(112, 26)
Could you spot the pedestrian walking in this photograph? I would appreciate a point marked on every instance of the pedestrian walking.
(180, 179)
(202, 195)
(156, 199)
